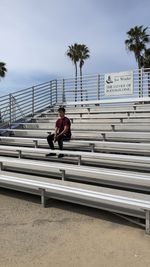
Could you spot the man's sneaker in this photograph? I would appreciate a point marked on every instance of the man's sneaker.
(50, 154)
(60, 156)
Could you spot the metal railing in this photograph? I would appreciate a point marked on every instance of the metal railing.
(26, 103)
(92, 87)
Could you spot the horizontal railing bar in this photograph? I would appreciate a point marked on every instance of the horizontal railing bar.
(17, 96)
(42, 94)
(26, 100)
(40, 104)
(42, 101)
(42, 87)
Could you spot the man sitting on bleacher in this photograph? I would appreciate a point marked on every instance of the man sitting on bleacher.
(62, 132)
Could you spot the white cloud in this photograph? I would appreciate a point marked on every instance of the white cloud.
(35, 35)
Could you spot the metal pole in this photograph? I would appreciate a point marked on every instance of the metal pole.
(50, 93)
(10, 115)
(98, 87)
(56, 91)
(33, 101)
(1, 166)
(62, 175)
(43, 199)
(63, 90)
(141, 89)
(147, 222)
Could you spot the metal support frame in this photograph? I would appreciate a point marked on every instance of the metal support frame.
(1, 166)
(92, 146)
(104, 136)
(43, 198)
(19, 153)
(35, 143)
(63, 175)
(113, 127)
(88, 110)
(147, 222)
(79, 160)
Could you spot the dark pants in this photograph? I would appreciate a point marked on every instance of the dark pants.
(50, 140)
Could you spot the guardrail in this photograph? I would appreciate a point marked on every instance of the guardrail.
(26, 103)
(93, 87)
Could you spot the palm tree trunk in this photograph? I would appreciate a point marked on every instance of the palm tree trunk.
(81, 83)
(76, 74)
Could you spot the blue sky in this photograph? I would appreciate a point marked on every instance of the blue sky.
(35, 35)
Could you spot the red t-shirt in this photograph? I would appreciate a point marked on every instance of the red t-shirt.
(61, 123)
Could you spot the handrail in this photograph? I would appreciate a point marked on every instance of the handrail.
(82, 90)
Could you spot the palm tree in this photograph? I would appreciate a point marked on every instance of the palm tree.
(83, 55)
(146, 65)
(73, 54)
(3, 69)
(136, 42)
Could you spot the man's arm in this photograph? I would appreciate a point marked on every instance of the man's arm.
(66, 128)
(56, 133)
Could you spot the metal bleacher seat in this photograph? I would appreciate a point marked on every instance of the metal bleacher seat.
(120, 201)
(109, 169)
(124, 147)
(100, 159)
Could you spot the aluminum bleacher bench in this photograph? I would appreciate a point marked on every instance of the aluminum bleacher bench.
(91, 117)
(98, 120)
(133, 204)
(95, 127)
(84, 135)
(100, 109)
(125, 161)
(128, 147)
(108, 101)
(87, 116)
(86, 174)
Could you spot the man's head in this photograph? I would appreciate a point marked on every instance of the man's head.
(61, 112)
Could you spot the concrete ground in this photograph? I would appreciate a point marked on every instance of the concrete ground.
(66, 235)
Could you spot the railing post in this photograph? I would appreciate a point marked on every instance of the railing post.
(148, 82)
(10, 111)
(50, 93)
(33, 101)
(56, 91)
(98, 87)
(141, 77)
(76, 87)
(63, 90)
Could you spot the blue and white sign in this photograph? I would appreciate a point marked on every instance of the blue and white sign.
(118, 84)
